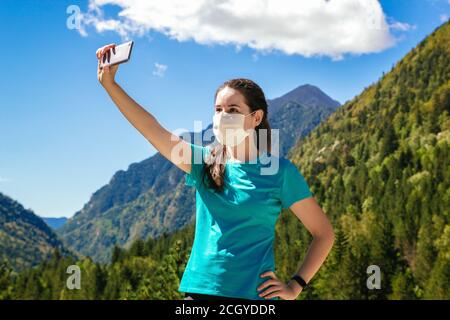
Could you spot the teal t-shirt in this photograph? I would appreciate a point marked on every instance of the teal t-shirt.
(235, 230)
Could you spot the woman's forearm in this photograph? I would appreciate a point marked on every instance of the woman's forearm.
(317, 223)
(163, 140)
(140, 118)
(315, 256)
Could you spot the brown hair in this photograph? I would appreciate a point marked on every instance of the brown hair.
(254, 97)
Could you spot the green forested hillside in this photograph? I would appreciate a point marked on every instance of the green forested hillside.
(150, 197)
(150, 269)
(379, 167)
(25, 239)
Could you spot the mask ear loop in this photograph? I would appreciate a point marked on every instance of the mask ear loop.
(254, 133)
(250, 113)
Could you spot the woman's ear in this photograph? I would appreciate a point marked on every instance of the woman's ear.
(259, 115)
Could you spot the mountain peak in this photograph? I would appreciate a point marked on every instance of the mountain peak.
(307, 95)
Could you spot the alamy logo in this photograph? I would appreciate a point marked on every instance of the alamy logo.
(374, 280)
(73, 21)
(74, 280)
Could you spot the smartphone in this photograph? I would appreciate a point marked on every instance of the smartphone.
(122, 54)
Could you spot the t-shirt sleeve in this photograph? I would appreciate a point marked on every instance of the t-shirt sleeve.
(294, 186)
(197, 164)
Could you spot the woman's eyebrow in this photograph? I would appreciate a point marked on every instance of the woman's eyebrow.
(231, 105)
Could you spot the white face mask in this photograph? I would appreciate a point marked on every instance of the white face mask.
(229, 129)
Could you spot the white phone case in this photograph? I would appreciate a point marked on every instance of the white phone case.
(122, 54)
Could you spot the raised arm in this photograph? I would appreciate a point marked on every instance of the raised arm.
(169, 145)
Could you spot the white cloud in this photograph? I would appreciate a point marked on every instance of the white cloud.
(443, 17)
(160, 69)
(3, 179)
(402, 26)
(95, 17)
(305, 27)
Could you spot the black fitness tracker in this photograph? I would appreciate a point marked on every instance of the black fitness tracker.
(300, 281)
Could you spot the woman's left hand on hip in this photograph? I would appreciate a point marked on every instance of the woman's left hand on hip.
(277, 288)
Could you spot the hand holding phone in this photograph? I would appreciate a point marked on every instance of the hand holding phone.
(111, 54)
(109, 57)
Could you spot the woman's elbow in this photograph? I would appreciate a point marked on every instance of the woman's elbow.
(326, 234)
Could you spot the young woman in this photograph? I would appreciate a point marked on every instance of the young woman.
(236, 204)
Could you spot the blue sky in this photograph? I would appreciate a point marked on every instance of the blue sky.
(63, 138)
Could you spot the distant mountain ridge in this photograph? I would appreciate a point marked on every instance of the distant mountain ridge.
(307, 95)
(55, 223)
(25, 239)
(298, 112)
(150, 198)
